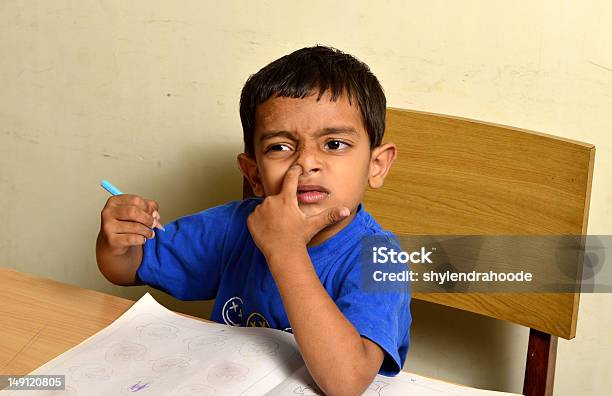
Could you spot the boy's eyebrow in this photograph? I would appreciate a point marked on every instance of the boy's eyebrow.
(271, 135)
(348, 130)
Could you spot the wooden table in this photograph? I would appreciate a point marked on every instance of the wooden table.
(42, 318)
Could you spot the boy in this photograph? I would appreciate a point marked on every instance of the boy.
(289, 258)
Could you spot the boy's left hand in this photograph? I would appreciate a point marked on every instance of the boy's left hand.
(278, 225)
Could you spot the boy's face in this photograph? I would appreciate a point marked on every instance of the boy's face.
(328, 139)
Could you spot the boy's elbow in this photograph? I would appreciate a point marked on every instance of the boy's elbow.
(352, 382)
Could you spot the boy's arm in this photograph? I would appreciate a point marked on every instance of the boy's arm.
(126, 223)
(120, 270)
(338, 358)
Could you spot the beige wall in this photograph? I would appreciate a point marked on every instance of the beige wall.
(145, 93)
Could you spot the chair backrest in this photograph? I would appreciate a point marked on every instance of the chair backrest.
(464, 177)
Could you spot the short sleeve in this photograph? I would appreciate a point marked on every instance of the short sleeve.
(383, 316)
(185, 260)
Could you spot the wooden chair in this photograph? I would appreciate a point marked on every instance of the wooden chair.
(456, 176)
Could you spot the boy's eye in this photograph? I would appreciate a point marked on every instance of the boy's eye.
(336, 144)
(278, 147)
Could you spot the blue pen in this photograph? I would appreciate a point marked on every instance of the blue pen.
(108, 186)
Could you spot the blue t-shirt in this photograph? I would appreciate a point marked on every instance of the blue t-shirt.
(211, 254)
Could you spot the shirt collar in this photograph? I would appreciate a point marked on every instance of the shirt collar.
(346, 235)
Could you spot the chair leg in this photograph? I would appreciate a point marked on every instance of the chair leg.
(540, 368)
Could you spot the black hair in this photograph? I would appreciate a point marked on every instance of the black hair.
(306, 70)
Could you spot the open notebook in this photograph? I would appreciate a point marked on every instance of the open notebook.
(154, 351)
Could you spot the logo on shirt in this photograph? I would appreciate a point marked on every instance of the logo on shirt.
(233, 314)
(232, 311)
(257, 320)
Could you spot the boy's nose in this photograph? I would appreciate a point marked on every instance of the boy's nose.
(309, 161)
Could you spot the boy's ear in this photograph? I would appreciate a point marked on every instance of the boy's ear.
(381, 159)
(248, 168)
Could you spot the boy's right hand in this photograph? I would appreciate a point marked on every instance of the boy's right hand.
(127, 220)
